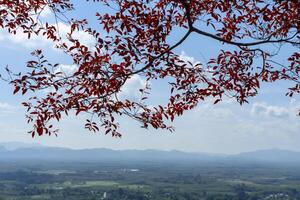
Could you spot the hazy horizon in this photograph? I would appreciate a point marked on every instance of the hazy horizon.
(13, 145)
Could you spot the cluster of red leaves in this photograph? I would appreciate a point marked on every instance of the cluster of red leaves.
(137, 44)
(24, 15)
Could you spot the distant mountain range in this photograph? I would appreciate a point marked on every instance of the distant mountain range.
(20, 151)
(270, 155)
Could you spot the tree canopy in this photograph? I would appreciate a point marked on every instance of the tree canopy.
(132, 38)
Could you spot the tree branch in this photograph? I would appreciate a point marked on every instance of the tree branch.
(162, 54)
(245, 44)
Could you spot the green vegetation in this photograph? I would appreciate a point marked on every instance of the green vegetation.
(157, 181)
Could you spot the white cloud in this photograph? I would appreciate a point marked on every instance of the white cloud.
(188, 59)
(263, 109)
(184, 57)
(21, 38)
(84, 37)
(67, 69)
(195, 63)
(130, 89)
(39, 41)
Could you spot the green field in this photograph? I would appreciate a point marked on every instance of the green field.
(157, 181)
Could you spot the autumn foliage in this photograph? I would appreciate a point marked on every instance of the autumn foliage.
(136, 42)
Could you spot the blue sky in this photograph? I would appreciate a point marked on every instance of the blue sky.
(268, 121)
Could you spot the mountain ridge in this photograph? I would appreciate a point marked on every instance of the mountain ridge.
(39, 152)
